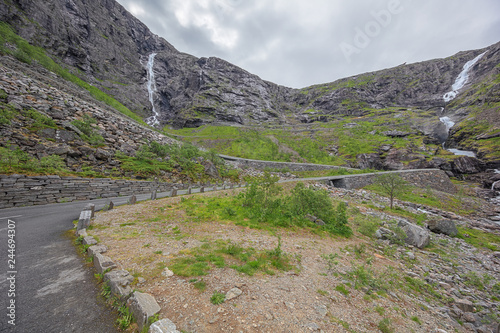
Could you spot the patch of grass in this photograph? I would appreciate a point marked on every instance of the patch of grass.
(89, 131)
(201, 285)
(341, 288)
(19, 161)
(385, 326)
(7, 112)
(479, 239)
(125, 318)
(416, 319)
(198, 261)
(217, 298)
(380, 310)
(322, 292)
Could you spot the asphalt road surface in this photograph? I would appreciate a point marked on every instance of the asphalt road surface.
(43, 280)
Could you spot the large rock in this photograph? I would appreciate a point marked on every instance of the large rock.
(415, 235)
(467, 165)
(369, 161)
(446, 227)
(142, 306)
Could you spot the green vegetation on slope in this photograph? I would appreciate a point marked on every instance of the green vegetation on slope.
(334, 143)
(263, 205)
(14, 45)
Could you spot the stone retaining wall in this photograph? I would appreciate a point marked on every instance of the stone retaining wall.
(433, 178)
(21, 190)
(291, 166)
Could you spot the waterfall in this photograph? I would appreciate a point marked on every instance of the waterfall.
(461, 79)
(449, 124)
(153, 120)
(493, 185)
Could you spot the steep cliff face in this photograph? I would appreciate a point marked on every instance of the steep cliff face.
(108, 47)
(99, 40)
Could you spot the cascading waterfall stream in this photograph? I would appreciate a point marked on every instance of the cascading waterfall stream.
(461, 79)
(449, 124)
(460, 82)
(153, 120)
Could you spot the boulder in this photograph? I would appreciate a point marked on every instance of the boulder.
(142, 306)
(446, 227)
(102, 154)
(415, 235)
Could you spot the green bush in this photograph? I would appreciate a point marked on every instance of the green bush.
(7, 113)
(264, 205)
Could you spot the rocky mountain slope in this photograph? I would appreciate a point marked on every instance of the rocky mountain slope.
(106, 46)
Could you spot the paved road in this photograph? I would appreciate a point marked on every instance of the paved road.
(54, 290)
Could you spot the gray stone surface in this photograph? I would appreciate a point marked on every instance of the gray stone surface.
(119, 281)
(415, 235)
(132, 200)
(233, 293)
(102, 263)
(81, 233)
(163, 326)
(142, 306)
(94, 249)
(84, 220)
(89, 240)
(384, 233)
(464, 305)
(446, 227)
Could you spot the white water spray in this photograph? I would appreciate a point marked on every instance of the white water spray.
(461, 79)
(449, 124)
(493, 185)
(153, 120)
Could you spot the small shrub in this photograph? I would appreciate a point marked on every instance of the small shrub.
(217, 298)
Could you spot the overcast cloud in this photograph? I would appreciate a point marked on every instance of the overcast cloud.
(298, 43)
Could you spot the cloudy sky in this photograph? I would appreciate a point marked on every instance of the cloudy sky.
(298, 43)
